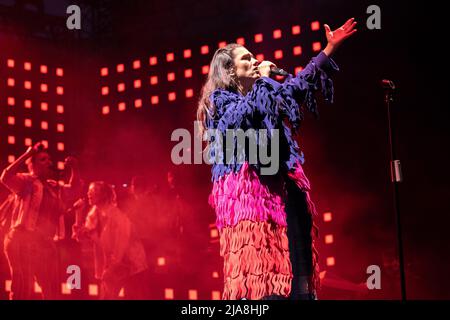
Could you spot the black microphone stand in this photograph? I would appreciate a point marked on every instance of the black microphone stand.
(396, 178)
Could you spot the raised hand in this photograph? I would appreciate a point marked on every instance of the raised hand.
(336, 37)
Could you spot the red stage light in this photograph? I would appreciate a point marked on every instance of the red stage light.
(193, 295)
(222, 44)
(120, 67)
(60, 127)
(168, 294)
(122, 106)
(44, 87)
(278, 54)
(153, 61)
(28, 123)
(161, 261)
(329, 239)
(60, 146)
(215, 295)
(295, 30)
(189, 93)
(59, 108)
(10, 63)
(188, 73)
(204, 50)
(65, 288)
(170, 76)
(315, 25)
(27, 104)
(170, 57)
(60, 165)
(316, 46)
(105, 91)
(260, 57)
(121, 87)
(153, 80)
(44, 125)
(104, 72)
(11, 121)
(331, 261)
(105, 109)
(215, 275)
(11, 159)
(172, 96)
(60, 90)
(59, 72)
(137, 83)
(44, 106)
(205, 69)
(43, 69)
(298, 69)
(28, 142)
(187, 53)
(11, 82)
(93, 290)
(11, 101)
(154, 100)
(214, 233)
(297, 50)
(240, 41)
(11, 140)
(27, 85)
(277, 34)
(138, 103)
(327, 216)
(258, 37)
(136, 64)
(45, 143)
(27, 66)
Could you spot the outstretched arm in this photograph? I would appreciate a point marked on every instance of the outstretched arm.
(336, 37)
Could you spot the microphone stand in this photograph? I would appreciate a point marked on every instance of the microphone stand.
(396, 178)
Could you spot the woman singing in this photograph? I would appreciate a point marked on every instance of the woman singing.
(265, 221)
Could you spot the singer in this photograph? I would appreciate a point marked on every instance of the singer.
(36, 221)
(265, 222)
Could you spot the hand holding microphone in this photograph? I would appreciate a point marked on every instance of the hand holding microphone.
(268, 68)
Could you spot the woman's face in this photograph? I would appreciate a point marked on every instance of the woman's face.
(246, 67)
(94, 194)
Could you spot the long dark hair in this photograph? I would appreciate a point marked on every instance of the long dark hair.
(221, 75)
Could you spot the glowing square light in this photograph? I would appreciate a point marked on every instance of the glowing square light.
(122, 106)
(59, 90)
(60, 146)
(172, 96)
(11, 101)
(222, 44)
(105, 90)
(161, 261)
(43, 69)
(65, 288)
(45, 144)
(27, 85)
(278, 54)
(37, 288)
(121, 87)
(277, 34)
(27, 66)
(11, 82)
(153, 61)
(120, 67)
(331, 261)
(137, 83)
(93, 290)
(295, 30)
(59, 72)
(240, 41)
(215, 275)
(327, 216)
(298, 69)
(60, 165)
(104, 72)
(316, 46)
(10, 63)
(214, 233)
(188, 73)
(154, 100)
(171, 76)
(11, 159)
(28, 142)
(297, 50)
(122, 293)
(105, 109)
(27, 104)
(215, 295)
(315, 25)
(170, 57)
(192, 295)
(168, 294)
(204, 49)
(44, 125)
(329, 239)
(138, 103)
(187, 53)
(60, 127)
(136, 64)
(44, 106)
(153, 80)
(28, 123)
(260, 57)
(205, 69)
(60, 109)
(11, 120)
(189, 93)
(8, 285)
(44, 87)
(258, 37)
(11, 140)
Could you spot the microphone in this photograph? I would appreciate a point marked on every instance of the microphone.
(278, 72)
(387, 84)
